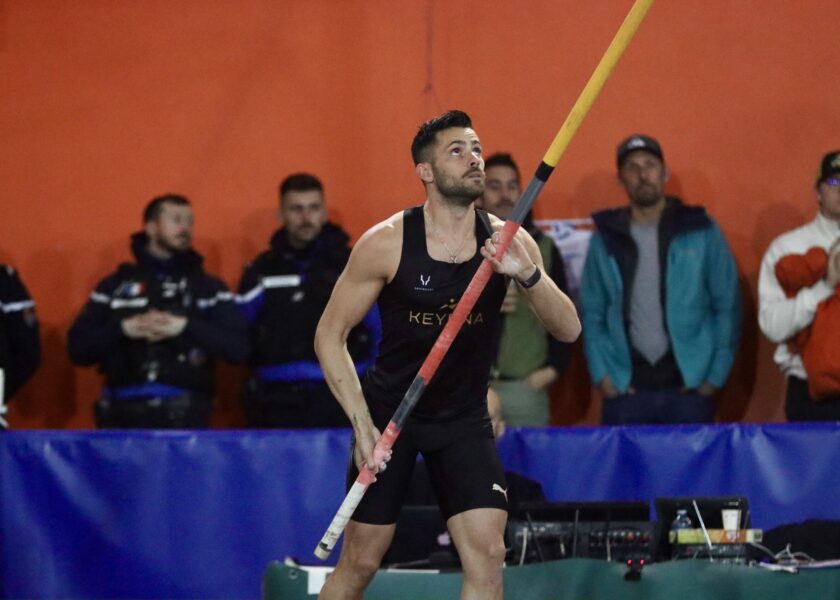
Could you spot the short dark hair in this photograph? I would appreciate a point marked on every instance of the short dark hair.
(155, 206)
(300, 182)
(428, 131)
(501, 159)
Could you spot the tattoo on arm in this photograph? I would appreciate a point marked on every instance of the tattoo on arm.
(357, 418)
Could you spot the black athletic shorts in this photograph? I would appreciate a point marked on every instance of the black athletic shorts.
(461, 458)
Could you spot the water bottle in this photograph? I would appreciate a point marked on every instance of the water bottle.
(682, 521)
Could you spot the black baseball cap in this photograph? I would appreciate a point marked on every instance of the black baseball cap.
(829, 166)
(637, 141)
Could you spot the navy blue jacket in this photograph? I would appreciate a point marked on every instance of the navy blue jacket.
(215, 328)
(283, 293)
(20, 342)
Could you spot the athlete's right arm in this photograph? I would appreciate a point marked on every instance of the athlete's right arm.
(372, 264)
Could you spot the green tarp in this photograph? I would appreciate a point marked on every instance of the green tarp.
(587, 579)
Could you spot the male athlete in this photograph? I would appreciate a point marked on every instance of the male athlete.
(416, 265)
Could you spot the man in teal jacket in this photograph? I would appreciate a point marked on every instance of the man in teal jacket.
(660, 299)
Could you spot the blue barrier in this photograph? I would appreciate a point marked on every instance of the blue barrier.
(200, 514)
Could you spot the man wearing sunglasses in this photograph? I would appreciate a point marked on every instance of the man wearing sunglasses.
(782, 316)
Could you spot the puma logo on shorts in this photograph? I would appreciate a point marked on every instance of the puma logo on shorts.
(497, 488)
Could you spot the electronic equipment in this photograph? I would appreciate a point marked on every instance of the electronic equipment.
(616, 531)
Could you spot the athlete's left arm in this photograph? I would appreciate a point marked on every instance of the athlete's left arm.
(553, 308)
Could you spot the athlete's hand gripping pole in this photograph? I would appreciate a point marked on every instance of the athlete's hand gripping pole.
(465, 305)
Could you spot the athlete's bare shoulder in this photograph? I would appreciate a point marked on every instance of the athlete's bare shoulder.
(379, 248)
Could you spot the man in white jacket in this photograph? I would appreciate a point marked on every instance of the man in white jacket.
(780, 317)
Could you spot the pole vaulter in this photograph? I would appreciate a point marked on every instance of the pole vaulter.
(453, 325)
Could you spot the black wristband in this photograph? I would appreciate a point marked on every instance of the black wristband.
(532, 280)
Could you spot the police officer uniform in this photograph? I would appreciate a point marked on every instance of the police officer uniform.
(282, 294)
(165, 384)
(20, 343)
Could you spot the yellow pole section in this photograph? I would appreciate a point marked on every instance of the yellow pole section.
(596, 81)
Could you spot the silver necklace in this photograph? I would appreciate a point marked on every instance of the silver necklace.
(453, 256)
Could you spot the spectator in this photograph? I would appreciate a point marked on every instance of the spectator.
(154, 327)
(529, 359)
(660, 300)
(782, 318)
(20, 343)
(282, 294)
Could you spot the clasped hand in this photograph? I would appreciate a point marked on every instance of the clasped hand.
(154, 325)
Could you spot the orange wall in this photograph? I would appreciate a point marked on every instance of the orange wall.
(106, 104)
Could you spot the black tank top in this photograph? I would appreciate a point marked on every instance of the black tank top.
(414, 308)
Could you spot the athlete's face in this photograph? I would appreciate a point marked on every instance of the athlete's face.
(171, 230)
(501, 190)
(457, 165)
(304, 215)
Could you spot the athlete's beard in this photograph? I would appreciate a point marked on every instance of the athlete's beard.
(459, 191)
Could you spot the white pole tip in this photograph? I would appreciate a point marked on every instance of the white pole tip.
(322, 552)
